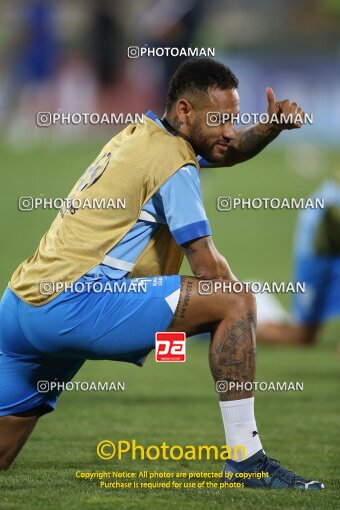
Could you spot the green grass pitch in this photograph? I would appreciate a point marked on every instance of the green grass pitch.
(176, 403)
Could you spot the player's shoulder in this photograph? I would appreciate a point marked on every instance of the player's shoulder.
(186, 176)
(188, 170)
(185, 180)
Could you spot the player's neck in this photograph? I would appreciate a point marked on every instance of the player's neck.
(167, 124)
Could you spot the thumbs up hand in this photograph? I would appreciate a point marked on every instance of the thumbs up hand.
(284, 114)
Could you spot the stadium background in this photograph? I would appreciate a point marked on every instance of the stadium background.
(71, 57)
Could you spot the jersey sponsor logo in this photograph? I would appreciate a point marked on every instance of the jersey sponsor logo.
(170, 347)
(94, 172)
(89, 177)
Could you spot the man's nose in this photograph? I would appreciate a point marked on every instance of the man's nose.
(228, 131)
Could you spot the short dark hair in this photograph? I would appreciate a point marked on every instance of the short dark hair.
(198, 75)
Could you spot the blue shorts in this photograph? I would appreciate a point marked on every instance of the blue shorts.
(321, 300)
(51, 342)
(317, 260)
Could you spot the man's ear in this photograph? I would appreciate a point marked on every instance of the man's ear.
(184, 111)
(184, 107)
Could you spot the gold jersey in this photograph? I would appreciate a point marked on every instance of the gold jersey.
(130, 168)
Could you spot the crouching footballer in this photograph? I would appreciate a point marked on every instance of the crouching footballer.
(47, 331)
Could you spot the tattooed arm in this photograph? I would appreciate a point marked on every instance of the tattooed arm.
(249, 142)
(205, 261)
(253, 139)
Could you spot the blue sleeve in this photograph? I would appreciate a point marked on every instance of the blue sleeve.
(203, 162)
(183, 206)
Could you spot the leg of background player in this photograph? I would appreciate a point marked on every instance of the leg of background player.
(14, 432)
(287, 334)
(231, 320)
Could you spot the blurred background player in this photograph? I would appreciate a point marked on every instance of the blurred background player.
(317, 263)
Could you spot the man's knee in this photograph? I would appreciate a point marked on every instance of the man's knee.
(237, 300)
(248, 301)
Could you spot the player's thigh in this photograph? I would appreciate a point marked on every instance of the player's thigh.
(29, 379)
(119, 323)
(204, 304)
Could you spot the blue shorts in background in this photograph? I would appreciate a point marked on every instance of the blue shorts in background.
(321, 300)
(317, 259)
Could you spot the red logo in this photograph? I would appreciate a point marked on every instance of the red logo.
(170, 346)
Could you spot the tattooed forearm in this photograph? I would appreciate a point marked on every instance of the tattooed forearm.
(249, 141)
(232, 356)
(254, 139)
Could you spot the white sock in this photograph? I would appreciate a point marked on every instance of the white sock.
(240, 426)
